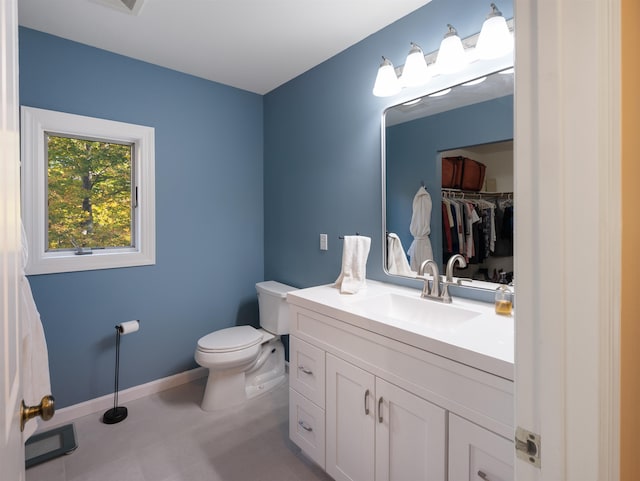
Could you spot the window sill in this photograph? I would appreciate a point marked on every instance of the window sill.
(67, 261)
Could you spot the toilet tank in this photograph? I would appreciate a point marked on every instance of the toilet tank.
(272, 302)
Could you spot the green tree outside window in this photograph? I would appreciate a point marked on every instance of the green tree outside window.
(89, 193)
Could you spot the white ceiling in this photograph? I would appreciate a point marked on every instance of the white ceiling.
(254, 45)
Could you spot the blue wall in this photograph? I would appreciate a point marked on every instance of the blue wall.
(322, 147)
(209, 205)
(414, 148)
(244, 186)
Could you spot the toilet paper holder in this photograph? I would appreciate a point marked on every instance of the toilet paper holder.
(119, 413)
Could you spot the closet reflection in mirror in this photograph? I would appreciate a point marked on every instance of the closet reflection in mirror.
(426, 215)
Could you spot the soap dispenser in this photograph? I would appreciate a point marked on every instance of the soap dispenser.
(504, 297)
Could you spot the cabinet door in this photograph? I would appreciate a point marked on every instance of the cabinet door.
(410, 436)
(350, 430)
(476, 454)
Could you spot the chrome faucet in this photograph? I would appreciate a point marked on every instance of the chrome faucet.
(434, 291)
(448, 279)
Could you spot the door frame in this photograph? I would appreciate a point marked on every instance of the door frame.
(568, 235)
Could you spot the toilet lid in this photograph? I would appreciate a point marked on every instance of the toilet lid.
(230, 339)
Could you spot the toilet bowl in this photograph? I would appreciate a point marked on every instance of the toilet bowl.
(243, 361)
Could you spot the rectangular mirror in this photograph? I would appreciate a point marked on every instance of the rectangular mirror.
(470, 210)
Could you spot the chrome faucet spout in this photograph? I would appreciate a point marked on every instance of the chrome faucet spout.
(448, 279)
(431, 266)
(456, 259)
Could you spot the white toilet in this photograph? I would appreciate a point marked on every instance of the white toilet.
(243, 361)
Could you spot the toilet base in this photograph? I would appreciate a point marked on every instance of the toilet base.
(224, 389)
(228, 388)
(270, 374)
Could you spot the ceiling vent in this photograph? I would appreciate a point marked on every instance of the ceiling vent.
(132, 7)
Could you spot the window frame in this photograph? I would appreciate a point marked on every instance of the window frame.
(35, 124)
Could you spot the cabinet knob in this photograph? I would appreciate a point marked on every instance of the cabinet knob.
(305, 370)
(483, 475)
(380, 401)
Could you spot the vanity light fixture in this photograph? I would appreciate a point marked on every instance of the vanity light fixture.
(441, 93)
(474, 82)
(387, 82)
(451, 56)
(415, 72)
(494, 40)
(412, 102)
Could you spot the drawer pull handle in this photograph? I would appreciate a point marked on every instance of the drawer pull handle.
(304, 426)
(366, 402)
(482, 475)
(380, 401)
(305, 370)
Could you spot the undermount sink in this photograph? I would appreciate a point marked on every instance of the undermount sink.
(403, 308)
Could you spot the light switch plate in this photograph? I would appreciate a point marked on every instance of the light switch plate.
(323, 242)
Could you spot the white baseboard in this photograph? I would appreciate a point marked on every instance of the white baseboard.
(69, 413)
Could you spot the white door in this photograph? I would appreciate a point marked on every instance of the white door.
(567, 161)
(476, 454)
(11, 445)
(350, 426)
(410, 436)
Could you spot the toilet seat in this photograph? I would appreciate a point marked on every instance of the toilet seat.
(230, 339)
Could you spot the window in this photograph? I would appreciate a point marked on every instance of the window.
(88, 192)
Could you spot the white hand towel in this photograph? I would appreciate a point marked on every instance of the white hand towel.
(35, 356)
(397, 262)
(355, 250)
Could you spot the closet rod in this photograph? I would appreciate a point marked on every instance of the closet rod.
(467, 193)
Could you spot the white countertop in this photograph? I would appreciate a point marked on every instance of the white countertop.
(485, 342)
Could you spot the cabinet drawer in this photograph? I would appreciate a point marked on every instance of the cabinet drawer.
(476, 453)
(306, 426)
(307, 371)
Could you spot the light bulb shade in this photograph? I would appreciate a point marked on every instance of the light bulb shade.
(415, 72)
(441, 93)
(494, 40)
(474, 82)
(387, 83)
(451, 56)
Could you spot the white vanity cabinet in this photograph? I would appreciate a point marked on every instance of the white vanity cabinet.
(374, 429)
(367, 405)
(476, 454)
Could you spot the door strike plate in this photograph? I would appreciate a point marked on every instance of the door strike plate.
(528, 446)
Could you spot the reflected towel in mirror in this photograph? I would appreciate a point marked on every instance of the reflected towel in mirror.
(397, 262)
(355, 250)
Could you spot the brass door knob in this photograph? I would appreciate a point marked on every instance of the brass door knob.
(45, 410)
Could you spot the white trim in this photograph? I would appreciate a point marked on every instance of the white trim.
(610, 106)
(97, 405)
(35, 122)
(568, 236)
